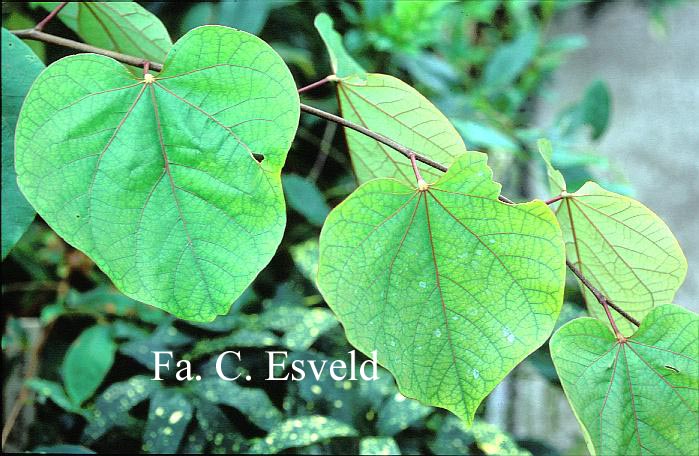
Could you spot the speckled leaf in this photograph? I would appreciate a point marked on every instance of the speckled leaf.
(392, 108)
(452, 437)
(124, 27)
(637, 397)
(301, 325)
(168, 417)
(300, 432)
(240, 338)
(87, 362)
(112, 407)
(341, 62)
(624, 249)
(164, 338)
(452, 287)
(492, 441)
(156, 180)
(378, 445)
(398, 413)
(219, 435)
(19, 68)
(252, 402)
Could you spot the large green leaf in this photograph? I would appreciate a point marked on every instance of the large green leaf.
(640, 396)
(87, 362)
(557, 183)
(124, 27)
(156, 180)
(20, 66)
(450, 286)
(392, 108)
(624, 249)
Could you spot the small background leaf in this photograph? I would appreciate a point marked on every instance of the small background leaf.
(305, 198)
(342, 63)
(87, 362)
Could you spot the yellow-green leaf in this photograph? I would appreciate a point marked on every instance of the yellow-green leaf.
(124, 27)
(639, 396)
(624, 249)
(391, 107)
(156, 179)
(450, 286)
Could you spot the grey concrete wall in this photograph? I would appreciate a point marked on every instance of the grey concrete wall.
(653, 136)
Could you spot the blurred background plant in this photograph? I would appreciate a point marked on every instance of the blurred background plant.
(85, 349)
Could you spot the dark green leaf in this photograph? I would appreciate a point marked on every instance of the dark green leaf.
(20, 66)
(87, 362)
(168, 417)
(305, 198)
(252, 402)
(112, 407)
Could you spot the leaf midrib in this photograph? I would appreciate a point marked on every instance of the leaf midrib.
(173, 188)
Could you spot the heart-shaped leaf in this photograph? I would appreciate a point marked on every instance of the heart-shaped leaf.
(19, 68)
(624, 249)
(640, 396)
(450, 286)
(156, 179)
(125, 27)
(392, 108)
